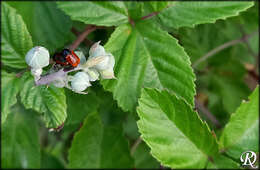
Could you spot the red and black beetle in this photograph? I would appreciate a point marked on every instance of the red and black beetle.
(66, 58)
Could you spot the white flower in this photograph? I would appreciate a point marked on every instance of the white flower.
(103, 64)
(37, 57)
(106, 61)
(60, 82)
(80, 82)
(36, 72)
(108, 73)
(93, 74)
(96, 50)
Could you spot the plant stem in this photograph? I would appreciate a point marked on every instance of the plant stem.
(77, 33)
(216, 50)
(19, 74)
(131, 21)
(253, 74)
(149, 15)
(250, 50)
(154, 13)
(135, 145)
(82, 36)
(222, 47)
(47, 79)
(207, 113)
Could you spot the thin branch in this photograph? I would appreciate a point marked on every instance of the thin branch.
(131, 21)
(222, 47)
(135, 145)
(82, 36)
(207, 113)
(154, 13)
(216, 50)
(250, 50)
(149, 15)
(251, 81)
(19, 74)
(86, 41)
(47, 79)
(253, 74)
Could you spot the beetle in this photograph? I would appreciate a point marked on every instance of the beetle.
(66, 58)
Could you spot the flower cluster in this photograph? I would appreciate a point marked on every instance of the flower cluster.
(99, 64)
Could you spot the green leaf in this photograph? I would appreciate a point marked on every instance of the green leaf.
(200, 40)
(232, 91)
(135, 9)
(98, 146)
(48, 25)
(20, 140)
(178, 138)
(203, 38)
(143, 158)
(10, 88)
(98, 13)
(130, 126)
(51, 101)
(48, 161)
(87, 104)
(222, 162)
(181, 14)
(108, 109)
(158, 6)
(16, 40)
(147, 57)
(242, 131)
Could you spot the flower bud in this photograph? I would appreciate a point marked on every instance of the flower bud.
(80, 82)
(37, 57)
(93, 74)
(102, 65)
(108, 73)
(60, 82)
(111, 63)
(96, 50)
(36, 72)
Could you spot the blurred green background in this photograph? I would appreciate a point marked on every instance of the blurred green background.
(222, 81)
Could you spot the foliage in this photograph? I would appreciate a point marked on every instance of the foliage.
(166, 107)
(50, 101)
(16, 40)
(237, 137)
(162, 126)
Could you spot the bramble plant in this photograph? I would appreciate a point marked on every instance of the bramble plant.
(129, 84)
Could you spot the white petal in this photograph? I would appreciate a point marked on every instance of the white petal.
(80, 81)
(37, 57)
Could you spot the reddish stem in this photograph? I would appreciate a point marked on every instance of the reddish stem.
(82, 36)
(77, 33)
(149, 15)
